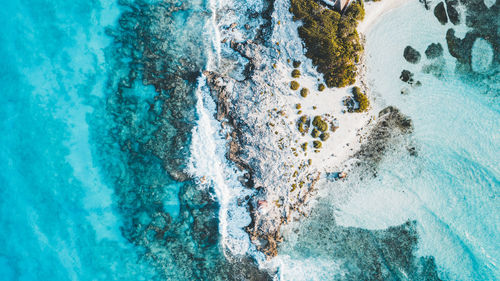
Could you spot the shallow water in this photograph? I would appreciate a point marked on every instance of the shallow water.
(57, 213)
(449, 190)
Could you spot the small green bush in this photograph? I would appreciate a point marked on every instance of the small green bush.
(295, 73)
(304, 92)
(321, 87)
(303, 118)
(324, 136)
(304, 146)
(302, 128)
(320, 124)
(296, 64)
(315, 133)
(294, 85)
(298, 106)
(361, 99)
(317, 144)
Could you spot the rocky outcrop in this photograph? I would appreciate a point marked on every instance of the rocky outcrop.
(440, 13)
(461, 49)
(392, 127)
(434, 50)
(411, 55)
(406, 75)
(267, 216)
(451, 8)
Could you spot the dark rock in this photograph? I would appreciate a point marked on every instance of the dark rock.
(440, 13)
(434, 50)
(411, 55)
(461, 49)
(452, 12)
(426, 4)
(406, 75)
(390, 129)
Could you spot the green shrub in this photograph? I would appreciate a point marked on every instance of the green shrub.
(304, 92)
(320, 124)
(303, 124)
(361, 99)
(302, 128)
(317, 144)
(296, 64)
(295, 73)
(304, 146)
(331, 40)
(294, 85)
(321, 87)
(315, 133)
(298, 106)
(324, 136)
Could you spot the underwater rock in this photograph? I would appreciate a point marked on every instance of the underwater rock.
(452, 11)
(363, 254)
(391, 128)
(440, 13)
(461, 49)
(411, 55)
(434, 50)
(426, 4)
(406, 75)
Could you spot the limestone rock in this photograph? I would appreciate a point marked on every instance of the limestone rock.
(440, 13)
(434, 50)
(411, 55)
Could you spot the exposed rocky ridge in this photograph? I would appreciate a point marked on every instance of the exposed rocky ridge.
(246, 151)
(391, 130)
(253, 143)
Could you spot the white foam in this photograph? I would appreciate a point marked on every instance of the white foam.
(208, 163)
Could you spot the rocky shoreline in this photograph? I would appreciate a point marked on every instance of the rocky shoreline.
(262, 115)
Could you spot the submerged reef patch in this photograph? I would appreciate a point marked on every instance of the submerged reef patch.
(147, 140)
(361, 254)
(392, 127)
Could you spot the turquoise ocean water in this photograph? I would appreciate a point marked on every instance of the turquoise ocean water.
(102, 115)
(98, 107)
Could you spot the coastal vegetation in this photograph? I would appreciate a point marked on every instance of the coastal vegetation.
(331, 39)
(294, 85)
(304, 92)
(320, 124)
(295, 73)
(361, 99)
(317, 144)
(324, 136)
